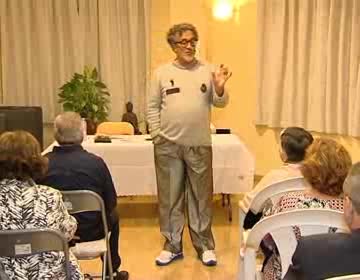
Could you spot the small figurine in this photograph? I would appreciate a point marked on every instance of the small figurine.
(131, 117)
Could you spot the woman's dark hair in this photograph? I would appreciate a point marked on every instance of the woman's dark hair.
(20, 156)
(294, 142)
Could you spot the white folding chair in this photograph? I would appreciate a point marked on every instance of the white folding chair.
(310, 221)
(346, 277)
(83, 201)
(274, 192)
(26, 242)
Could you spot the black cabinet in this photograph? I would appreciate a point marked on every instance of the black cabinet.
(22, 118)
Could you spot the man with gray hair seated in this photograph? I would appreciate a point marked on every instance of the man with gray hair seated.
(335, 254)
(71, 167)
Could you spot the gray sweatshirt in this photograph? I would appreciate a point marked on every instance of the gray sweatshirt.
(180, 103)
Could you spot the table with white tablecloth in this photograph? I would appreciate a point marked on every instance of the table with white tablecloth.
(130, 159)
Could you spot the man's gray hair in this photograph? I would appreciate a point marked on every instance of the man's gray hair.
(178, 29)
(352, 186)
(68, 128)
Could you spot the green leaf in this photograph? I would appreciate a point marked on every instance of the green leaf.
(94, 74)
(87, 71)
(68, 106)
(78, 76)
(100, 84)
(105, 93)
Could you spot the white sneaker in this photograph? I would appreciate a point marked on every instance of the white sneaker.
(208, 258)
(167, 257)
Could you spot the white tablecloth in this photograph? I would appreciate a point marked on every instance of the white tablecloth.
(131, 163)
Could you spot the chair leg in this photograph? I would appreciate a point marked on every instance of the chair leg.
(222, 199)
(108, 255)
(240, 275)
(228, 196)
(104, 265)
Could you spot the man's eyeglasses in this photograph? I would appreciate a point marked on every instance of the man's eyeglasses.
(183, 43)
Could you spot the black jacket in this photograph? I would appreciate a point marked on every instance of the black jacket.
(326, 255)
(73, 168)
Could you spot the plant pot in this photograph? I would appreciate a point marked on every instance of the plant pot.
(90, 127)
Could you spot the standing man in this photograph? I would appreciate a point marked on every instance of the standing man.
(178, 113)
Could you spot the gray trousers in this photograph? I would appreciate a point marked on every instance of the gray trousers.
(184, 173)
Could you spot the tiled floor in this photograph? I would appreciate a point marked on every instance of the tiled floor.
(140, 242)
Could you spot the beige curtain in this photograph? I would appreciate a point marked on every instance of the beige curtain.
(124, 53)
(308, 65)
(42, 46)
(44, 42)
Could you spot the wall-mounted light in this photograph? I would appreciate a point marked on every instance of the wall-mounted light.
(223, 9)
(226, 9)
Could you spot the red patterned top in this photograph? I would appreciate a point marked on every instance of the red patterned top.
(292, 201)
(301, 200)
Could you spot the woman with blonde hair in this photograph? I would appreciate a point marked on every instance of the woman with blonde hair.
(25, 205)
(325, 168)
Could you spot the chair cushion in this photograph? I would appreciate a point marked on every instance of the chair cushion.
(91, 249)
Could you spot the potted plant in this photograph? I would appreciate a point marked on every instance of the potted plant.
(88, 96)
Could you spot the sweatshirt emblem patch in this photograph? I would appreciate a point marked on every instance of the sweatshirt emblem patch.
(172, 90)
(203, 88)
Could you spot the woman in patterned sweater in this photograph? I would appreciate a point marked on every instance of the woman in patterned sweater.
(325, 168)
(25, 205)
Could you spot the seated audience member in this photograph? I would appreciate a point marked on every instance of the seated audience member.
(293, 144)
(25, 205)
(73, 168)
(331, 255)
(325, 168)
(131, 117)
